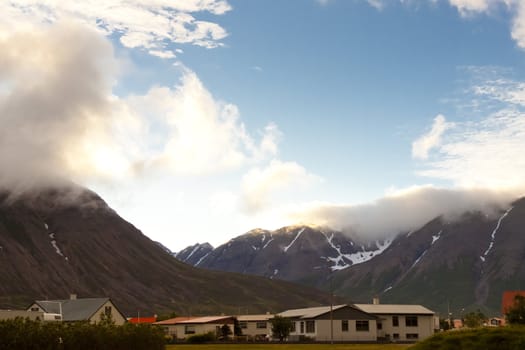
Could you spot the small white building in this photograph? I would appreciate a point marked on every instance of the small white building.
(256, 327)
(402, 322)
(337, 323)
(182, 329)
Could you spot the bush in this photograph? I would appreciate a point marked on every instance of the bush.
(24, 334)
(505, 338)
(201, 338)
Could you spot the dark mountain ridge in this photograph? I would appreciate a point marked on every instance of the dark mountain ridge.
(58, 241)
(461, 263)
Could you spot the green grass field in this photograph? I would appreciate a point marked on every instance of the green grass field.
(288, 347)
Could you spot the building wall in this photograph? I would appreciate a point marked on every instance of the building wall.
(424, 329)
(118, 318)
(252, 330)
(178, 330)
(322, 331)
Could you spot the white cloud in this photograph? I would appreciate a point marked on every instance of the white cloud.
(466, 7)
(424, 144)
(259, 186)
(149, 25)
(194, 133)
(486, 152)
(60, 119)
(518, 25)
(378, 4)
(403, 210)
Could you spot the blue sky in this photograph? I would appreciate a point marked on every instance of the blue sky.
(200, 120)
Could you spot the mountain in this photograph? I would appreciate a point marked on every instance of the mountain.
(460, 264)
(58, 241)
(194, 254)
(297, 253)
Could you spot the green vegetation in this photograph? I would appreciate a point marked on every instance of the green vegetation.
(280, 346)
(281, 327)
(474, 319)
(201, 338)
(505, 338)
(23, 334)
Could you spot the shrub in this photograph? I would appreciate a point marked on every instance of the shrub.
(505, 338)
(201, 338)
(24, 334)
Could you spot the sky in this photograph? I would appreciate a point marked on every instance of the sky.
(199, 120)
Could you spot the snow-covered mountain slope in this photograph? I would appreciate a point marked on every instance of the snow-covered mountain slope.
(295, 253)
(465, 264)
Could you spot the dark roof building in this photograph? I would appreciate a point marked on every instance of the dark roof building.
(84, 309)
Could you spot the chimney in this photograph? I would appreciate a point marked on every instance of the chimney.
(72, 297)
(375, 301)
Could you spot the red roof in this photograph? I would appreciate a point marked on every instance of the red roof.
(508, 299)
(136, 320)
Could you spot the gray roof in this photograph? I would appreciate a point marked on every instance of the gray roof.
(73, 309)
(393, 309)
(309, 312)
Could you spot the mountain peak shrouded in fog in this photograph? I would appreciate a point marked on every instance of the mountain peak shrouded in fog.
(62, 240)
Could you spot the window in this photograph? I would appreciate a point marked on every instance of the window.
(260, 325)
(302, 327)
(412, 335)
(189, 329)
(243, 324)
(35, 309)
(292, 330)
(395, 321)
(310, 326)
(395, 335)
(361, 326)
(344, 326)
(411, 321)
(107, 310)
(379, 326)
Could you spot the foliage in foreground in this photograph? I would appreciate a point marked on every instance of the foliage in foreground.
(504, 338)
(24, 334)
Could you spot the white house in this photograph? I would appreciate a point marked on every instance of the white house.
(402, 322)
(257, 327)
(337, 323)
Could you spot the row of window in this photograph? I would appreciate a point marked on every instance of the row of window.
(309, 326)
(259, 325)
(410, 321)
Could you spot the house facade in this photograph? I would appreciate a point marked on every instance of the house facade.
(256, 327)
(184, 328)
(402, 322)
(337, 323)
(84, 309)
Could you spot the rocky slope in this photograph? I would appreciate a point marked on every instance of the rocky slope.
(60, 241)
(465, 263)
(460, 264)
(297, 253)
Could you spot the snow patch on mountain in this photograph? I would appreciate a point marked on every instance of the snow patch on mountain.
(418, 259)
(436, 237)
(202, 258)
(343, 261)
(266, 244)
(295, 239)
(493, 235)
